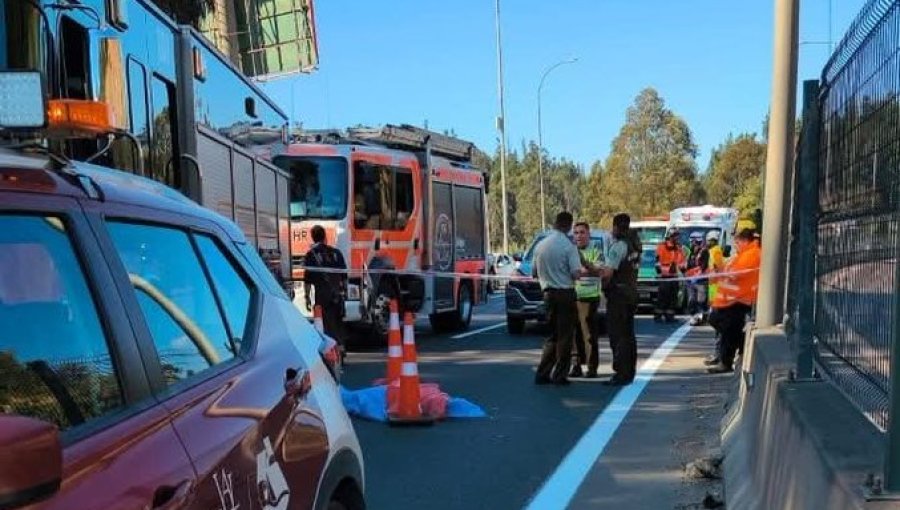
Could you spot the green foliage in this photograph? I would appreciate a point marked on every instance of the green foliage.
(735, 173)
(563, 181)
(651, 169)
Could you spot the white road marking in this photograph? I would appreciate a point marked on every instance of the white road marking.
(558, 491)
(477, 331)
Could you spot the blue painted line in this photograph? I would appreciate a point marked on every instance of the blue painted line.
(558, 491)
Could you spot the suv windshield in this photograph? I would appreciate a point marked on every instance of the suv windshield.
(595, 241)
(651, 234)
(318, 187)
(21, 33)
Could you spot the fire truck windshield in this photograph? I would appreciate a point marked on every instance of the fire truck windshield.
(21, 36)
(318, 187)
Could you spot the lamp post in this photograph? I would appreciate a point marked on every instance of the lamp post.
(501, 127)
(540, 134)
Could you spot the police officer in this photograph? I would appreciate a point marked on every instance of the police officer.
(330, 287)
(587, 291)
(619, 272)
(557, 264)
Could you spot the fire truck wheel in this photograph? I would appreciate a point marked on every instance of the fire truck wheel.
(465, 303)
(381, 312)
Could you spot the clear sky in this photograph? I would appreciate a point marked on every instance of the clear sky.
(412, 61)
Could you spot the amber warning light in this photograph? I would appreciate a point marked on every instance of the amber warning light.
(80, 116)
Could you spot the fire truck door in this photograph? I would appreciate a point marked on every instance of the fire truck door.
(443, 245)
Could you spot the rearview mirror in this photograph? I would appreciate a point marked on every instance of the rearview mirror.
(30, 461)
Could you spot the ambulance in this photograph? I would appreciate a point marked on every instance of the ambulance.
(704, 219)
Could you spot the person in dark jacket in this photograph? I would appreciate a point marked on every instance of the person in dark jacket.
(329, 287)
(619, 274)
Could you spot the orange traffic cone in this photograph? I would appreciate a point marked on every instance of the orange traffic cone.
(395, 348)
(317, 319)
(409, 409)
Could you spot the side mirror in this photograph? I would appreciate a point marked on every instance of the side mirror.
(30, 461)
(517, 257)
(727, 251)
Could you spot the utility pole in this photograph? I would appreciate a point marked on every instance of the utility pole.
(501, 127)
(541, 137)
(779, 160)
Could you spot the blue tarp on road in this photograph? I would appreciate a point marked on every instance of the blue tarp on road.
(371, 404)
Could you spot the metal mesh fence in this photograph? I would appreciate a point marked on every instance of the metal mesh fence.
(859, 208)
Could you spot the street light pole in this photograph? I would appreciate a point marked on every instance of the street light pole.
(501, 121)
(541, 136)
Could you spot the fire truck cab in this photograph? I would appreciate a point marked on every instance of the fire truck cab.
(396, 198)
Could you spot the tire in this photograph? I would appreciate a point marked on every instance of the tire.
(381, 318)
(515, 325)
(465, 303)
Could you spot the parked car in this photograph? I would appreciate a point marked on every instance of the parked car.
(648, 288)
(524, 299)
(501, 264)
(149, 359)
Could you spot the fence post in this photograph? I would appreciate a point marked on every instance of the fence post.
(892, 456)
(807, 232)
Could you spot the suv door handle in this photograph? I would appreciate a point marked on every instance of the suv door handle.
(168, 497)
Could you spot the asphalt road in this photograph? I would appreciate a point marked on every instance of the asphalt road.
(503, 460)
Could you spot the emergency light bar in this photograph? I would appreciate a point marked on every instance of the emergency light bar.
(22, 100)
(77, 117)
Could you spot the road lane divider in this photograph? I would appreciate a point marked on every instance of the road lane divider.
(477, 331)
(562, 485)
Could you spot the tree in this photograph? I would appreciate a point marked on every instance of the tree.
(735, 172)
(651, 169)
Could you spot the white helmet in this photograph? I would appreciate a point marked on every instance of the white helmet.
(712, 235)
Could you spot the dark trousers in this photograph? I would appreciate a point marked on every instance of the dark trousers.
(333, 321)
(556, 358)
(666, 297)
(622, 341)
(729, 322)
(586, 334)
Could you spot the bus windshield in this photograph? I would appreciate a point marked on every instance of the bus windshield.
(318, 187)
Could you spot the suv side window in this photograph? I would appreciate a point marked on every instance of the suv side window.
(230, 285)
(176, 298)
(55, 363)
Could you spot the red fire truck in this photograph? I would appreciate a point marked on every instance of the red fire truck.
(392, 198)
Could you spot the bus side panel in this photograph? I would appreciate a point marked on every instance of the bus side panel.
(215, 160)
(244, 197)
(284, 222)
(266, 207)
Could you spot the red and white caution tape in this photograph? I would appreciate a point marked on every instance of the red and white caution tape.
(506, 278)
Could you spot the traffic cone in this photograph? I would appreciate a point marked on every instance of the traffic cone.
(409, 408)
(395, 347)
(317, 319)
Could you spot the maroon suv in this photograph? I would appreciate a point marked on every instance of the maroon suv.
(149, 360)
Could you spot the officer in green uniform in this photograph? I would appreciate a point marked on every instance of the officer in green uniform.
(587, 291)
(619, 274)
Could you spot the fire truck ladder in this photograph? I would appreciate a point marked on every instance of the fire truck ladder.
(406, 137)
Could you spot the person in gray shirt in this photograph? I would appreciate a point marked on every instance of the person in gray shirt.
(557, 265)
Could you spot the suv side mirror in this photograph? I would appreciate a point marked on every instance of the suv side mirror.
(30, 461)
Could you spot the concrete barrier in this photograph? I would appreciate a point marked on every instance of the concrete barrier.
(794, 445)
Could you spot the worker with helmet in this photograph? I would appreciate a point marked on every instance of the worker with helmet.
(670, 262)
(697, 267)
(735, 299)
